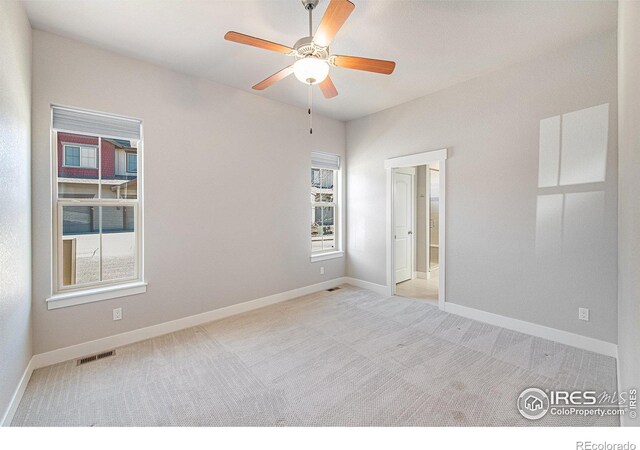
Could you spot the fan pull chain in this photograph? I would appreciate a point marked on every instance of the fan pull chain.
(310, 109)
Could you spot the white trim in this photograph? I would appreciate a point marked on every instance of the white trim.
(541, 331)
(97, 294)
(422, 275)
(378, 288)
(325, 256)
(418, 159)
(17, 395)
(442, 233)
(118, 340)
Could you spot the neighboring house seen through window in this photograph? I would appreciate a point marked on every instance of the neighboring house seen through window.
(97, 211)
(325, 170)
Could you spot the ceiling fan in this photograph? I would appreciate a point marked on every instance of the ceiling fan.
(313, 58)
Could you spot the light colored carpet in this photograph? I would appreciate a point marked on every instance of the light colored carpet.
(349, 357)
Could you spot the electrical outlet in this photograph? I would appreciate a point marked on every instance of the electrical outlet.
(583, 314)
(321, 270)
(117, 314)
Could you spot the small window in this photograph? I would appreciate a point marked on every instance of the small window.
(132, 162)
(324, 203)
(80, 156)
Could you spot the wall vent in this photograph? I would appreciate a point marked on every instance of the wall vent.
(88, 359)
(333, 289)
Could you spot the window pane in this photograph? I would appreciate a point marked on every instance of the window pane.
(127, 189)
(315, 178)
(75, 151)
(329, 242)
(83, 259)
(326, 181)
(124, 180)
(323, 228)
(71, 156)
(118, 243)
(316, 229)
(88, 157)
(80, 245)
(328, 229)
(323, 215)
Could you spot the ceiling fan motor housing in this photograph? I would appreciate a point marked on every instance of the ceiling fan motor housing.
(310, 4)
(305, 47)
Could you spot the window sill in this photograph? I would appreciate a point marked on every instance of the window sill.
(326, 256)
(96, 294)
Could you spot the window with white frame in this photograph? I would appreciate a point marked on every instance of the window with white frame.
(80, 156)
(325, 169)
(97, 213)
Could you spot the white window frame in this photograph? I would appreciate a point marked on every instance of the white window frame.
(63, 296)
(337, 252)
(81, 147)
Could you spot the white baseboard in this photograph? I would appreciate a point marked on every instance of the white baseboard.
(17, 395)
(141, 334)
(378, 288)
(422, 275)
(552, 334)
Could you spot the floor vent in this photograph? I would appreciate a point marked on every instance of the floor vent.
(333, 289)
(88, 359)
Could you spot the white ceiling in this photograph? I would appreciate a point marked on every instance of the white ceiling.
(435, 43)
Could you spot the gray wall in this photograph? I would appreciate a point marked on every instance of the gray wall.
(226, 189)
(491, 125)
(15, 198)
(629, 186)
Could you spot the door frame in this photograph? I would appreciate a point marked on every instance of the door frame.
(417, 159)
(411, 171)
(428, 208)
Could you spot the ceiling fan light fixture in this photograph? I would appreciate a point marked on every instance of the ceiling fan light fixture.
(311, 70)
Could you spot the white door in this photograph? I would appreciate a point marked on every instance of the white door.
(403, 197)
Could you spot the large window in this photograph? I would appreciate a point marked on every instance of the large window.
(97, 210)
(325, 169)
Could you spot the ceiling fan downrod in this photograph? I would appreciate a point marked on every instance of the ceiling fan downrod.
(310, 5)
(310, 110)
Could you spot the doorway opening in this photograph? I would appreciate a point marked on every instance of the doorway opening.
(415, 221)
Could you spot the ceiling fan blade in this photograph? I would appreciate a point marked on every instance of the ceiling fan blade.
(328, 88)
(274, 78)
(370, 65)
(256, 42)
(334, 17)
